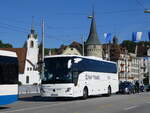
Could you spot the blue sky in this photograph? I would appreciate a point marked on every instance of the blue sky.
(66, 20)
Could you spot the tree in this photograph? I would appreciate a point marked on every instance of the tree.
(129, 45)
(3, 45)
(46, 51)
(142, 47)
(114, 52)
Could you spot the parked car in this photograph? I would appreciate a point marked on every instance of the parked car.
(141, 88)
(147, 88)
(126, 88)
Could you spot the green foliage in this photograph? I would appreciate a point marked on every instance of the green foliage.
(144, 43)
(146, 81)
(19, 83)
(129, 45)
(46, 51)
(142, 47)
(36, 36)
(7, 45)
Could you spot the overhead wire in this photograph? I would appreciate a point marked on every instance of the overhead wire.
(58, 39)
(12, 29)
(14, 26)
(105, 12)
(4, 25)
(20, 29)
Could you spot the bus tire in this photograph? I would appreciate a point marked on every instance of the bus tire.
(109, 91)
(85, 93)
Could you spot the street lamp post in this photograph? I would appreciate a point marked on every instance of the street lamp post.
(149, 70)
(42, 71)
(126, 63)
(148, 11)
(139, 75)
(82, 39)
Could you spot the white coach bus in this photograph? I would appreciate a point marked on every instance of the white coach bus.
(78, 76)
(8, 77)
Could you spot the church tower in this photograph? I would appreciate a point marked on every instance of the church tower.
(32, 46)
(32, 41)
(31, 74)
(93, 46)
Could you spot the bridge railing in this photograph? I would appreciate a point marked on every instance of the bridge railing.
(29, 89)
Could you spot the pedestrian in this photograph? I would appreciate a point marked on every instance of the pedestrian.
(137, 86)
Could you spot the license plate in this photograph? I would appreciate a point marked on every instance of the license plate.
(54, 94)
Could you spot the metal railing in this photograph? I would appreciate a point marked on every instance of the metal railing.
(29, 89)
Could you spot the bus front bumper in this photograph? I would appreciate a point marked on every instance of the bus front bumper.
(57, 90)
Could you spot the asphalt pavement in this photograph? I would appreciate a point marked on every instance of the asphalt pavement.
(134, 103)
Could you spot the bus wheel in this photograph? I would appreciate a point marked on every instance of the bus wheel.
(109, 91)
(85, 93)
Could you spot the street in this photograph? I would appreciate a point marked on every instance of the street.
(137, 103)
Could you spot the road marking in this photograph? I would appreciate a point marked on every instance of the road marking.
(33, 108)
(148, 102)
(104, 106)
(40, 107)
(132, 99)
(128, 108)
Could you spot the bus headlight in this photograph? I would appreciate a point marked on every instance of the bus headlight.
(68, 89)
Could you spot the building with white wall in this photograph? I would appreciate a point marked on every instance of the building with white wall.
(71, 51)
(28, 60)
(124, 68)
(129, 68)
(135, 68)
(31, 74)
(144, 69)
(148, 54)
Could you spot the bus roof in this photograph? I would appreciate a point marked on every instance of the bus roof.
(87, 57)
(7, 53)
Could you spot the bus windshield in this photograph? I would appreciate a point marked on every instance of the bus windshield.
(56, 70)
(8, 70)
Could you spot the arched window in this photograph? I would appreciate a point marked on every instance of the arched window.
(32, 44)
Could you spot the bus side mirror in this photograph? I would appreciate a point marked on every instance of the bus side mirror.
(75, 77)
(75, 82)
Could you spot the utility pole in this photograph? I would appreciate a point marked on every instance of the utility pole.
(139, 77)
(42, 40)
(42, 48)
(126, 63)
(149, 70)
(108, 51)
(136, 49)
(82, 39)
(148, 11)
